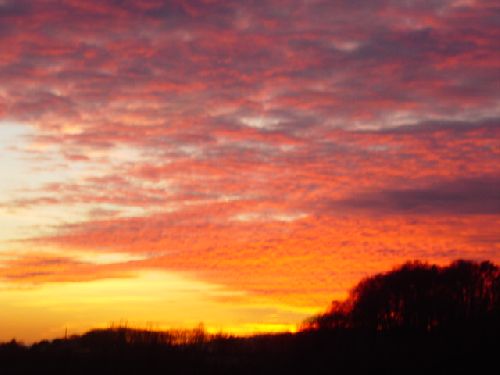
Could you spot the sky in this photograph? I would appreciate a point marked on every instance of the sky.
(237, 163)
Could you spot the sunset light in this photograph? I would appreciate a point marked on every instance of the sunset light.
(237, 164)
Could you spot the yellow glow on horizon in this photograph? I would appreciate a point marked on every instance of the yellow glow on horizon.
(249, 329)
(152, 299)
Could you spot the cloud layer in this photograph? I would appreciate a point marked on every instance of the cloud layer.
(280, 149)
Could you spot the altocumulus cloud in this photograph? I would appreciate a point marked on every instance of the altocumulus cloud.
(251, 143)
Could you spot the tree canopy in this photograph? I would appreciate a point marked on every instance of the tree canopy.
(418, 296)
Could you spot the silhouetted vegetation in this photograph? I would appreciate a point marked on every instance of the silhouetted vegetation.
(419, 297)
(416, 318)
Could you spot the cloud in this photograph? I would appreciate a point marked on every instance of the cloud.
(275, 147)
(479, 196)
(41, 268)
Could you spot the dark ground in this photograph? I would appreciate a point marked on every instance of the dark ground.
(116, 351)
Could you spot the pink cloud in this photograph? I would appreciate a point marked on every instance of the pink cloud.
(242, 134)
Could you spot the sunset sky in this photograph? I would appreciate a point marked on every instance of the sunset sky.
(237, 163)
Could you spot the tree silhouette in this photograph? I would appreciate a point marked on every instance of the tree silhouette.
(418, 296)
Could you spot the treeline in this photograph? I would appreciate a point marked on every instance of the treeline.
(419, 296)
(418, 318)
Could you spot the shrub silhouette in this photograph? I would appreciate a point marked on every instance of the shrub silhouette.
(418, 296)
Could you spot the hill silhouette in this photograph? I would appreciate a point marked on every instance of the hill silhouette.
(416, 318)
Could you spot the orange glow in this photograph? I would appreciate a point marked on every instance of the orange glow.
(150, 300)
